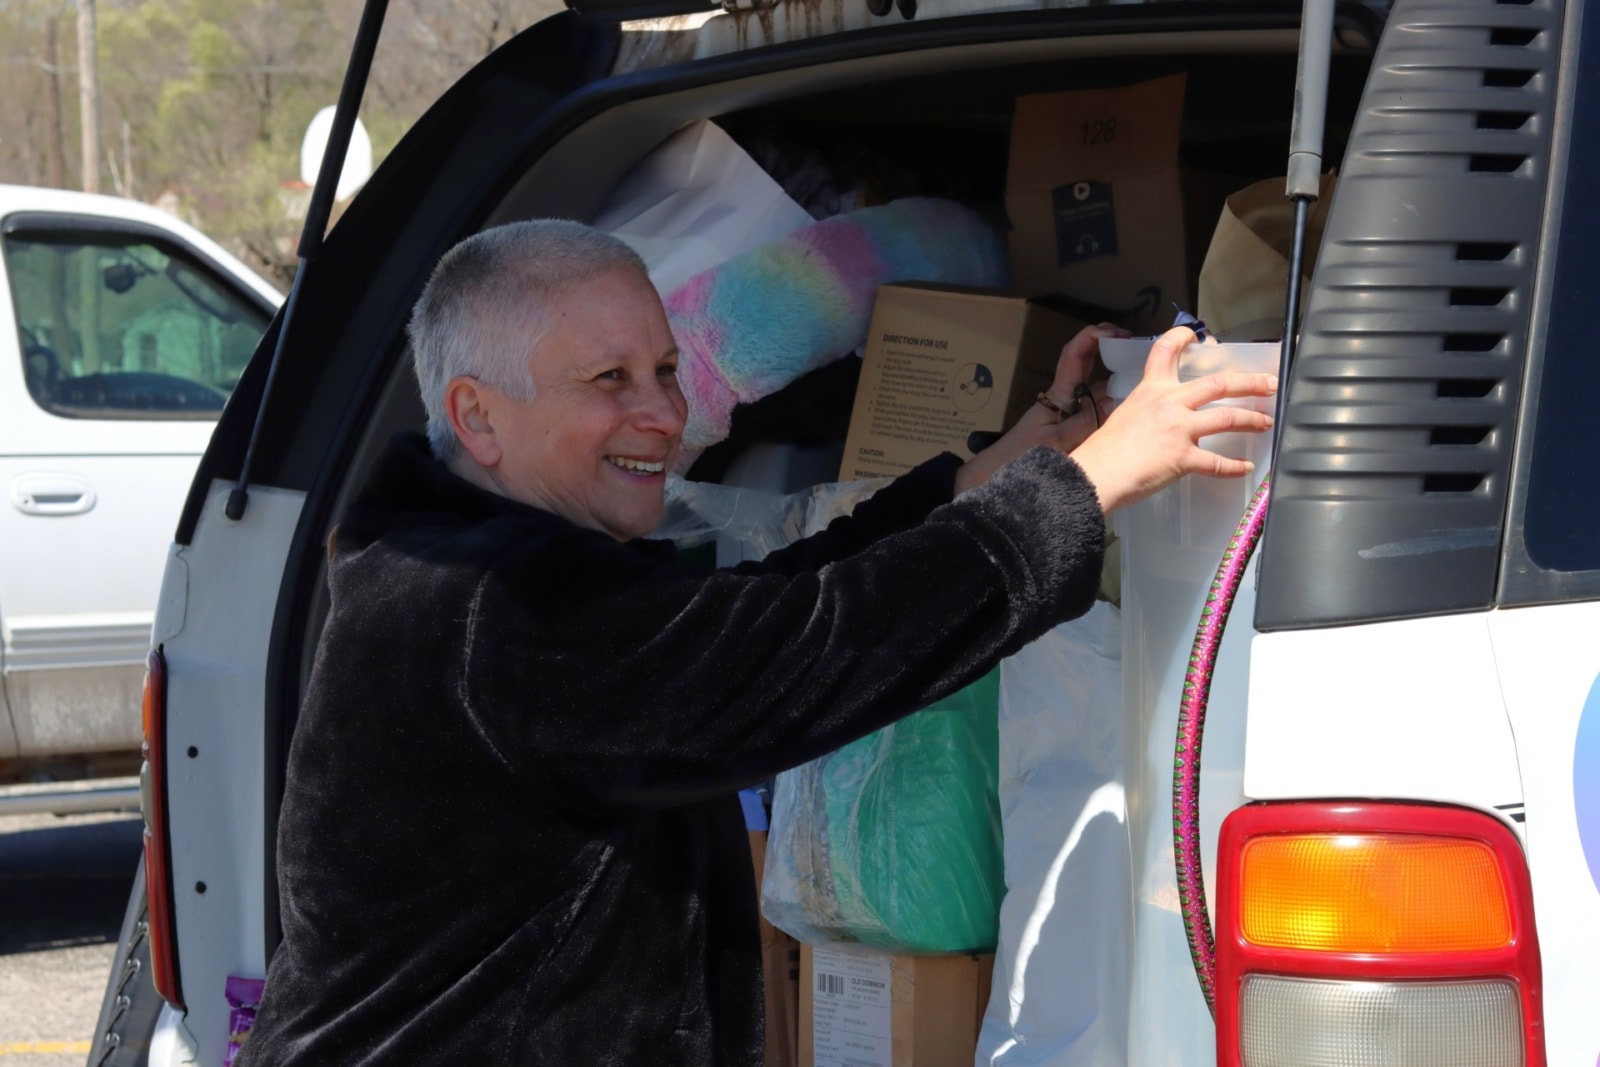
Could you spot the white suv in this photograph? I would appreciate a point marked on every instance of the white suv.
(122, 334)
(1419, 684)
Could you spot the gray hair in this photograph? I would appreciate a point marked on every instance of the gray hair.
(489, 303)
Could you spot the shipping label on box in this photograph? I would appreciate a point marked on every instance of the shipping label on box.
(850, 1009)
(941, 364)
(1095, 200)
(860, 1008)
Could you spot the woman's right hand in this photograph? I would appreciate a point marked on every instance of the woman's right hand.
(1150, 440)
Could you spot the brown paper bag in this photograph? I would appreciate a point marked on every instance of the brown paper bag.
(1244, 282)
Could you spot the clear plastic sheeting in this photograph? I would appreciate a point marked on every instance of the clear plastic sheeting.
(700, 512)
(893, 841)
(1061, 970)
(1298, 1022)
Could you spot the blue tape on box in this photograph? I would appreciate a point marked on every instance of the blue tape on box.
(755, 812)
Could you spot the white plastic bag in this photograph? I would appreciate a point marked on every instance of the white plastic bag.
(697, 199)
(1061, 970)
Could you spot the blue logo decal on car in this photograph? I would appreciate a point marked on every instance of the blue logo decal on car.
(1586, 781)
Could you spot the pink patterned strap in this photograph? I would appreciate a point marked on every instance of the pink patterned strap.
(1191, 728)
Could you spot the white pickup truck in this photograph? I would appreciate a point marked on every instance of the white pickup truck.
(122, 333)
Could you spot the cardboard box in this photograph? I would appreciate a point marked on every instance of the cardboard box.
(1095, 200)
(780, 975)
(942, 363)
(870, 1009)
(780, 963)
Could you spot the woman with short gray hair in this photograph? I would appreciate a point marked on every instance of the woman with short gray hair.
(489, 301)
(509, 833)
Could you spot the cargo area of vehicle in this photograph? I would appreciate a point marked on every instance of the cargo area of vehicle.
(937, 123)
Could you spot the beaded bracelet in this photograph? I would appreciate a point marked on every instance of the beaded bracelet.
(1080, 395)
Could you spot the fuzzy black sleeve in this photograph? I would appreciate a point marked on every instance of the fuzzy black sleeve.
(898, 506)
(631, 682)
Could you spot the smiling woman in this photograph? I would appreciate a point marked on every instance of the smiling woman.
(578, 709)
(605, 417)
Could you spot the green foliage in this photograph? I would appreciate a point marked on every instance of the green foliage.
(203, 103)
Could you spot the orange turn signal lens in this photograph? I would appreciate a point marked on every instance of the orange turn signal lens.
(1379, 893)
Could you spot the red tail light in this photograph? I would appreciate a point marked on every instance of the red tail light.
(1365, 933)
(157, 841)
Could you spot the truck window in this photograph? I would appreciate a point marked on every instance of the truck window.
(125, 327)
(1562, 520)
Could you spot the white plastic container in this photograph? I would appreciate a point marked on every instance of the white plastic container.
(1192, 510)
(1172, 543)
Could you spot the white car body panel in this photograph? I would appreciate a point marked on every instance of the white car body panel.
(1397, 710)
(1550, 671)
(216, 653)
(77, 592)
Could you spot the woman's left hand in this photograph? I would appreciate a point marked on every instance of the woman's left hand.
(1040, 425)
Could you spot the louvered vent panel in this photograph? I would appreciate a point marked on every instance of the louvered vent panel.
(1389, 496)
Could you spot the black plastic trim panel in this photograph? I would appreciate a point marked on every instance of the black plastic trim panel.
(1390, 490)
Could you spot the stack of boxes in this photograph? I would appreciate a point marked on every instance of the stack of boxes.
(1095, 205)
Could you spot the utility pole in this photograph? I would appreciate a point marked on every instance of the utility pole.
(88, 97)
(56, 167)
(127, 162)
(89, 124)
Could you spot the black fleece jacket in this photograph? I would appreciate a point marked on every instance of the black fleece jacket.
(509, 834)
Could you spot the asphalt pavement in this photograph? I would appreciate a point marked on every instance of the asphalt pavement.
(64, 883)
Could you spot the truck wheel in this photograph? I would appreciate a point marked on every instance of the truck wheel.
(131, 1006)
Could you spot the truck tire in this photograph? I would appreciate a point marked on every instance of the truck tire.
(131, 1005)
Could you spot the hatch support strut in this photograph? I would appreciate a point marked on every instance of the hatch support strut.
(316, 224)
(1304, 183)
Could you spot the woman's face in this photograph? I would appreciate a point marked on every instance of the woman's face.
(596, 440)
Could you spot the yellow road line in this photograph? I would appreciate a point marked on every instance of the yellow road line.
(17, 1048)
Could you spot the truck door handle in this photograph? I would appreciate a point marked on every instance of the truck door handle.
(51, 494)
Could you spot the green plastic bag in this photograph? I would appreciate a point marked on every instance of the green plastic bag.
(894, 840)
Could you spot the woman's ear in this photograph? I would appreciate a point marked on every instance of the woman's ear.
(470, 409)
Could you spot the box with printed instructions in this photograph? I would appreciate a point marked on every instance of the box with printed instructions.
(942, 363)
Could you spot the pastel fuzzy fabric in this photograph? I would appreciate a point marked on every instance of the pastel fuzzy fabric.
(755, 323)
